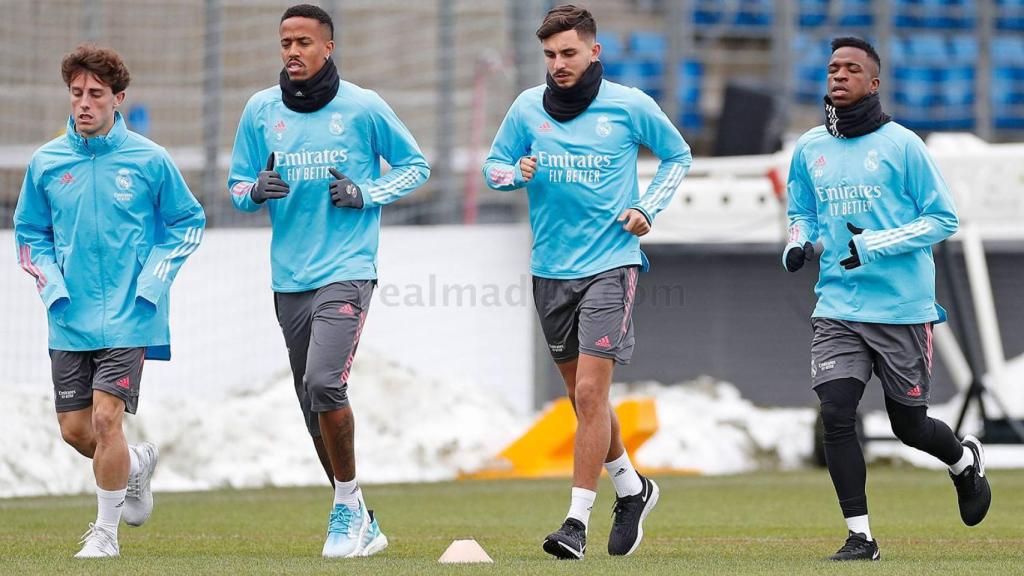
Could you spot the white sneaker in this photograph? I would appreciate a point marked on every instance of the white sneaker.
(138, 502)
(98, 543)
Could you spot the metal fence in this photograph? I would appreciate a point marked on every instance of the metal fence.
(194, 63)
(450, 68)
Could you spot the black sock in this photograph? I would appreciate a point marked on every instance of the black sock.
(839, 400)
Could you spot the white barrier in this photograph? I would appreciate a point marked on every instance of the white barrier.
(454, 303)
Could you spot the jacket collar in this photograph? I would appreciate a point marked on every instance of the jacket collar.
(97, 145)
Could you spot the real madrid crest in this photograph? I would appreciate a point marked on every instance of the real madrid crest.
(124, 179)
(871, 160)
(336, 126)
(604, 127)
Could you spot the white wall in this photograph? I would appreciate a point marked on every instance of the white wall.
(453, 304)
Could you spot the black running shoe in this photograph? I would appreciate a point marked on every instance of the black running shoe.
(857, 547)
(972, 489)
(568, 542)
(628, 518)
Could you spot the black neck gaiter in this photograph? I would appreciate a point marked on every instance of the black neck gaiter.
(863, 117)
(564, 104)
(313, 94)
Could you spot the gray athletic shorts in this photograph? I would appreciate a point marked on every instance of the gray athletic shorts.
(592, 315)
(321, 330)
(116, 371)
(899, 354)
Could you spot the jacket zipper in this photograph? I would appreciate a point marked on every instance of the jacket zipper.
(99, 249)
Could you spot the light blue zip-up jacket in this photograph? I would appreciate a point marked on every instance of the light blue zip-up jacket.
(886, 183)
(104, 224)
(315, 243)
(586, 176)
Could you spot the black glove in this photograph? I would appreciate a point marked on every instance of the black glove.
(853, 260)
(270, 186)
(344, 192)
(797, 255)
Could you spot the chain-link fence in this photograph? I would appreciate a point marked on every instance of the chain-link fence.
(450, 68)
(443, 66)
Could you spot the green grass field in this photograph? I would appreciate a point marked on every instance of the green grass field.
(772, 523)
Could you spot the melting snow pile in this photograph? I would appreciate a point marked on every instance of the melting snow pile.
(707, 426)
(407, 430)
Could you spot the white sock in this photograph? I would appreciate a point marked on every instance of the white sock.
(859, 524)
(110, 504)
(966, 460)
(624, 477)
(581, 504)
(347, 493)
(134, 458)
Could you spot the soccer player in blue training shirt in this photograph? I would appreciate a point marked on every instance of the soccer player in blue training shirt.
(867, 188)
(573, 144)
(310, 150)
(103, 223)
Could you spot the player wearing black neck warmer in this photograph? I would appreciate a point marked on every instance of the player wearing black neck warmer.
(573, 145)
(309, 151)
(867, 188)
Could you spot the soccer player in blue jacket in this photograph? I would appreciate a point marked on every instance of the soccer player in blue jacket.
(103, 223)
(573, 144)
(309, 151)
(868, 190)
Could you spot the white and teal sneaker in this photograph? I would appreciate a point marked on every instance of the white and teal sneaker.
(374, 540)
(346, 529)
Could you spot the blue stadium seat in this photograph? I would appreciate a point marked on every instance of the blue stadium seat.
(927, 47)
(810, 59)
(964, 48)
(691, 75)
(707, 12)
(811, 80)
(961, 76)
(916, 87)
(1008, 49)
(648, 45)
(905, 14)
(690, 119)
(897, 52)
(956, 84)
(845, 13)
(856, 14)
(1007, 95)
(1010, 14)
(1007, 88)
(812, 13)
(613, 48)
(691, 78)
(642, 74)
(936, 14)
(933, 81)
(1003, 87)
(754, 13)
(613, 69)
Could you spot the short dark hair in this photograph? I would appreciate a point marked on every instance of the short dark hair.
(568, 17)
(860, 43)
(103, 63)
(309, 11)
